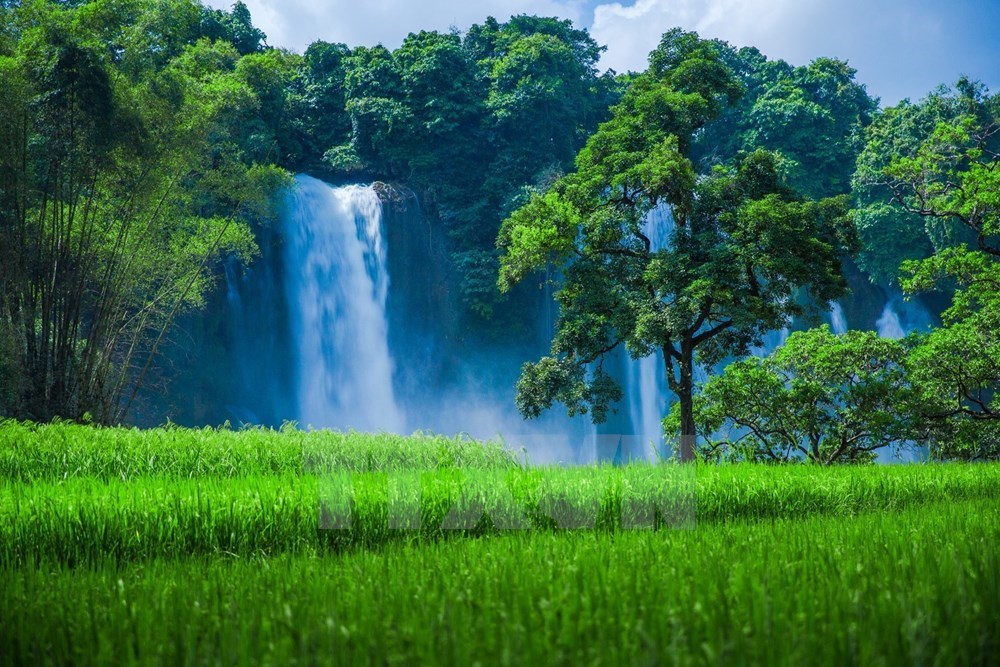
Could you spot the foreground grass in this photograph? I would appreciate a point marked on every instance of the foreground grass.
(86, 520)
(204, 547)
(916, 587)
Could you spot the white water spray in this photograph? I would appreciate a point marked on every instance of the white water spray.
(838, 323)
(888, 324)
(337, 285)
(900, 318)
(646, 379)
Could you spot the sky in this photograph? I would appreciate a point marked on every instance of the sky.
(901, 48)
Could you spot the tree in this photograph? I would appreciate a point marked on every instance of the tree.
(891, 232)
(957, 366)
(542, 92)
(739, 243)
(235, 27)
(379, 116)
(726, 136)
(947, 172)
(820, 397)
(317, 115)
(265, 133)
(121, 181)
(952, 174)
(814, 116)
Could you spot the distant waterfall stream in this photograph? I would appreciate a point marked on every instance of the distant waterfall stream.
(900, 317)
(337, 287)
(646, 379)
(838, 323)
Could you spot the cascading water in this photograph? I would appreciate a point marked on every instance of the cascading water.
(648, 402)
(889, 324)
(337, 287)
(646, 378)
(900, 318)
(838, 323)
(771, 342)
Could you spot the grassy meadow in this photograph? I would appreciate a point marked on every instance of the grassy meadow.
(171, 545)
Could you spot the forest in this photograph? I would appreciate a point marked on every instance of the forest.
(147, 147)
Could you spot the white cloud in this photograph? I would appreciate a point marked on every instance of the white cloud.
(899, 47)
(295, 24)
(631, 32)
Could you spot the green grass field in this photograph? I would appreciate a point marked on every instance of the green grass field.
(204, 547)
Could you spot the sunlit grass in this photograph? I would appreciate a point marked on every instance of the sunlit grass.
(915, 587)
(225, 547)
(34, 452)
(87, 520)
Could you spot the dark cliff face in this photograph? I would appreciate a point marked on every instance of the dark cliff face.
(232, 360)
(864, 304)
(442, 354)
(421, 304)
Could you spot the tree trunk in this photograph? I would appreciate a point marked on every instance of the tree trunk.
(686, 398)
(682, 384)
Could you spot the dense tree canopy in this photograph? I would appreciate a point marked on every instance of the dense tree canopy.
(468, 121)
(891, 228)
(813, 116)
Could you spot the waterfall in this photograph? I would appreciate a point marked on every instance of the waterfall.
(337, 287)
(771, 342)
(889, 324)
(900, 317)
(646, 385)
(838, 323)
(647, 396)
